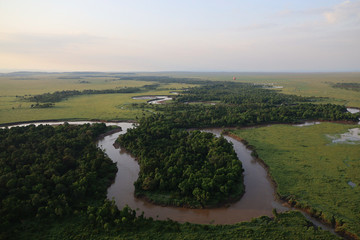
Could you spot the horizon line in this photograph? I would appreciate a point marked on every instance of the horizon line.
(170, 71)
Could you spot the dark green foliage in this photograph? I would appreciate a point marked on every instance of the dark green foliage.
(195, 168)
(291, 225)
(240, 104)
(45, 105)
(61, 95)
(187, 115)
(239, 93)
(151, 86)
(50, 171)
(108, 216)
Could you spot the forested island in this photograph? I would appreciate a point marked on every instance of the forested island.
(183, 168)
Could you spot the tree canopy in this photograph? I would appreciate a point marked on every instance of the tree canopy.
(50, 171)
(194, 167)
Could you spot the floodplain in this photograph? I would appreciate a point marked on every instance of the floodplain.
(310, 170)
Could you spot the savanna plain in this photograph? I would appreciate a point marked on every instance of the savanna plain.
(53, 180)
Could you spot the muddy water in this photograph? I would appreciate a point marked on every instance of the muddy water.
(258, 199)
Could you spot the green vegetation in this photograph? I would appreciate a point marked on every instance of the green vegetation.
(53, 185)
(348, 86)
(44, 105)
(301, 84)
(40, 175)
(311, 172)
(61, 95)
(242, 104)
(240, 93)
(116, 106)
(178, 167)
(47, 171)
(292, 225)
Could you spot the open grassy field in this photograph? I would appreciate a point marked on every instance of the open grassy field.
(99, 106)
(111, 107)
(311, 171)
(303, 84)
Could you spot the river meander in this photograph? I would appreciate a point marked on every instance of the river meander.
(259, 198)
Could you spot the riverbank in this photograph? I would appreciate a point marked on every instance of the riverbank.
(291, 203)
(256, 157)
(169, 200)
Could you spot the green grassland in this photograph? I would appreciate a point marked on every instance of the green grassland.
(311, 171)
(85, 107)
(111, 107)
(303, 84)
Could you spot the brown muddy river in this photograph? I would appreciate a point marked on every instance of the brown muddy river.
(258, 200)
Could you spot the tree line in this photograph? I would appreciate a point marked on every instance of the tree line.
(348, 86)
(61, 95)
(240, 104)
(239, 93)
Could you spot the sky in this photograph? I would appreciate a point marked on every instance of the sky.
(186, 35)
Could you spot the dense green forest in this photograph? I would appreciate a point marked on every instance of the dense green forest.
(240, 104)
(239, 93)
(50, 171)
(194, 168)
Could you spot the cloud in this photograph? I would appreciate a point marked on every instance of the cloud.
(346, 12)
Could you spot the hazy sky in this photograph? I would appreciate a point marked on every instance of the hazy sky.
(196, 35)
